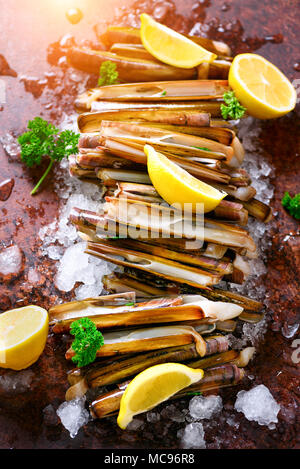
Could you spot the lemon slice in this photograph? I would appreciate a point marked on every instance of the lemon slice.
(177, 187)
(153, 386)
(23, 335)
(261, 87)
(170, 47)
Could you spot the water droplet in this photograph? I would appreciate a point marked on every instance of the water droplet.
(74, 15)
(297, 66)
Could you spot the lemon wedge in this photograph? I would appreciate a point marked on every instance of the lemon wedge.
(153, 386)
(177, 187)
(170, 47)
(23, 335)
(261, 87)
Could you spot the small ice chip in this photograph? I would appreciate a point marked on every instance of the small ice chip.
(193, 436)
(258, 404)
(73, 415)
(205, 407)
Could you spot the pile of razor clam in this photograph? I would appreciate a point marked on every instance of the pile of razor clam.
(164, 305)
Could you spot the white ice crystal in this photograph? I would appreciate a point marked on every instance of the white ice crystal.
(259, 405)
(73, 415)
(201, 407)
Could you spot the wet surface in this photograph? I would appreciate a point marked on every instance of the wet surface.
(46, 87)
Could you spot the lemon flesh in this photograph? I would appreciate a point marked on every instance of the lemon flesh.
(261, 87)
(23, 335)
(170, 47)
(177, 187)
(153, 386)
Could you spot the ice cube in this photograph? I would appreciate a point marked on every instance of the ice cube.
(193, 436)
(258, 404)
(73, 415)
(11, 260)
(201, 407)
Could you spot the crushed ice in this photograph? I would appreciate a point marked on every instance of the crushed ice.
(193, 436)
(73, 415)
(201, 407)
(259, 405)
(11, 260)
(61, 241)
(16, 382)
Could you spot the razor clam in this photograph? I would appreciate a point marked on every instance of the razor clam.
(109, 177)
(129, 69)
(258, 210)
(162, 219)
(114, 371)
(142, 340)
(121, 35)
(108, 404)
(216, 70)
(223, 267)
(165, 268)
(155, 311)
(171, 141)
(90, 158)
(211, 107)
(226, 210)
(91, 121)
(199, 168)
(87, 219)
(157, 91)
(150, 284)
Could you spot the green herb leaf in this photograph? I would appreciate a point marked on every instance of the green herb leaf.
(130, 304)
(108, 74)
(292, 204)
(46, 140)
(202, 148)
(199, 393)
(164, 93)
(88, 341)
(234, 109)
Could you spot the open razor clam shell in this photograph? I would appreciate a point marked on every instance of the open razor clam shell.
(118, 300)
(182, 90)
(97, 221)
(147, 283)
(163, 219)
(91, 122)
(123, 35)
(171, 141)
(129, 69)
(108, 404)
(142, 340)
(155, 311)
(157, 265)
(224, 267)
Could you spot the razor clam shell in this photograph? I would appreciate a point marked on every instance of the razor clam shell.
(142, 340)
(129, 69)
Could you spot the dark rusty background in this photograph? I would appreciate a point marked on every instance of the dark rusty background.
(27, 28)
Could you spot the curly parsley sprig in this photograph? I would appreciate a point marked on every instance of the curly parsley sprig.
(87, 341)
(45, 140)
(292, 204)
(108, 74)
(234, 109)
